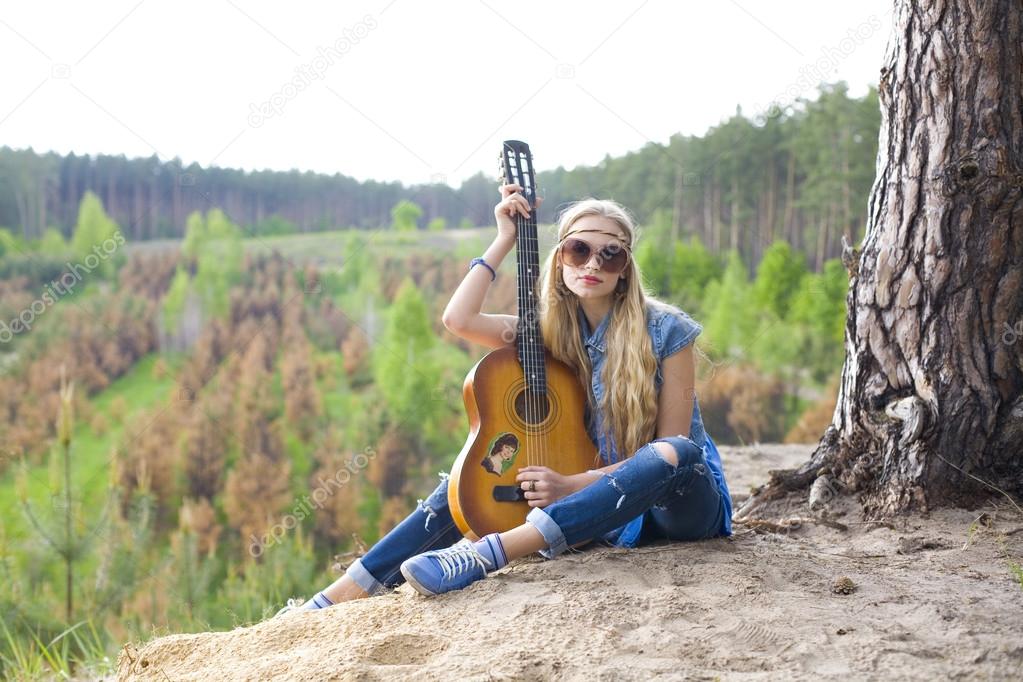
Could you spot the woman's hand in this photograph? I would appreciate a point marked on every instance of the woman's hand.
(512, 204)
(550, 485)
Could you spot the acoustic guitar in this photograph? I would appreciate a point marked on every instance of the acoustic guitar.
(524, 406)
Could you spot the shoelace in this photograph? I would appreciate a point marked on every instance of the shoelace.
(291, 605)
(460, 558)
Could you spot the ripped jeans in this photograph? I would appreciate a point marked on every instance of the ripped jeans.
(677, 502)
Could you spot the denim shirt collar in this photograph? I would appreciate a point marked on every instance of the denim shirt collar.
(595, 339)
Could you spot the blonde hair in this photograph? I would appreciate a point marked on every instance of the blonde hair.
(629, 404)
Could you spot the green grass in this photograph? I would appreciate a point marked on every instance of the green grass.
(1017, 571)
(78, 650)
(1015, 568)
(330, 248)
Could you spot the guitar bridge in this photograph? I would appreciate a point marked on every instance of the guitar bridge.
(509, 493)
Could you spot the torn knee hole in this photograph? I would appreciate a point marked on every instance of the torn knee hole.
(666, 452)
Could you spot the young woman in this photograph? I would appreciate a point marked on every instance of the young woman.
(635, 354)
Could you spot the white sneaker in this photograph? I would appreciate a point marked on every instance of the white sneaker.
(292, 605)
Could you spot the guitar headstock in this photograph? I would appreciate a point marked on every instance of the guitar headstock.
(517, 167)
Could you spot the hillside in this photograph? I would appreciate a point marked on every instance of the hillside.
(931, 598)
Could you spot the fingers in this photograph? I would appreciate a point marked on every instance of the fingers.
(514, 201)
(528, 473)
(512, 188)
(518, 204)
(521, 476)
(538, 499)
(512, 206)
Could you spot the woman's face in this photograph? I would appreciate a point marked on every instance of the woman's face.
(506, 451)
(588, 280)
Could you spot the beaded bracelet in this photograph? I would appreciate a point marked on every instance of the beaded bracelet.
(479, 260)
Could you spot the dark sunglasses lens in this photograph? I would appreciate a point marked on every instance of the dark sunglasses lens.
(578, 252)
(613, 259)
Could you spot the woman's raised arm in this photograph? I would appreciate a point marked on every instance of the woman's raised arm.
(462, 315)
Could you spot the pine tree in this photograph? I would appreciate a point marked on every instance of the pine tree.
(96, 241)
(403, 361)
(405, 215)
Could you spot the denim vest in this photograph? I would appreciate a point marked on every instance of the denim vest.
(670, 329)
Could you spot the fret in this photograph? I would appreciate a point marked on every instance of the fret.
(517, 167)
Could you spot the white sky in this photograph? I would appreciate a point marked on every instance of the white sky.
(425, 91)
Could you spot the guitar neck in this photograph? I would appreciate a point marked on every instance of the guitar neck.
(518, 164)
(529, 336)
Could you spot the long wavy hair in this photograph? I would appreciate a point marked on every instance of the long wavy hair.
(629, 405)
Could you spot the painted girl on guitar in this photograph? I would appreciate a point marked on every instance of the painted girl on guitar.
(662, 476)
(502, 453)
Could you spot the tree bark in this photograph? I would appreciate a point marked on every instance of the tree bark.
(930, 411)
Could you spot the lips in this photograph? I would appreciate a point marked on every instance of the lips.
(592, 280)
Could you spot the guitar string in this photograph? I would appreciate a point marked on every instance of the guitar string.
(533, 357)
(535, 346)
(527, 308)
(537, 349)
(543, 394)
(523, 344)
(528, 354)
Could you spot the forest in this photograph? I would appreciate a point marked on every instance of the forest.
(197, 428)
(799, 173)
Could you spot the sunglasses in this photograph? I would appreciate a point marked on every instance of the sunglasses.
(612, 258)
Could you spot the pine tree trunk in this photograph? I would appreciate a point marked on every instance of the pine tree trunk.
(715, 216)
(152, 201)
(733, 225)
(44, 200)
(21, 202)
(677, 218)
(790, 198)
(930, 411)
(708, 222)
(847, 213)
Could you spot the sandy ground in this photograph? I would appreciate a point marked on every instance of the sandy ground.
(926, 598)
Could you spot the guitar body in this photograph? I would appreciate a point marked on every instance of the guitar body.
(511, 427)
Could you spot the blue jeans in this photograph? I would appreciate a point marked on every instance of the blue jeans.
(678, 503)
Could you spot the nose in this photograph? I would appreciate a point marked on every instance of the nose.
(595, 259)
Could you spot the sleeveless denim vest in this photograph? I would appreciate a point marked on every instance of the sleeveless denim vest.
(669, 330)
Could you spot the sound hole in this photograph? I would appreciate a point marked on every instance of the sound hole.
(532, 408)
